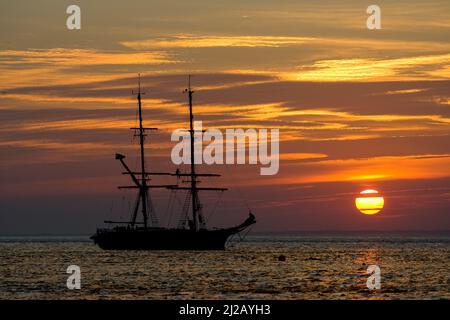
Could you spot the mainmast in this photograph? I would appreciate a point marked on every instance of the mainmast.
(197, 219)
(144, 189)
(194, 192)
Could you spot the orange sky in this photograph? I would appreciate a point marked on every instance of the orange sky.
(355, 108)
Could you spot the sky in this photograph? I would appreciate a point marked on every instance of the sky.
(356, 109)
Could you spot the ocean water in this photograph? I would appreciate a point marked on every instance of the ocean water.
(316, 266)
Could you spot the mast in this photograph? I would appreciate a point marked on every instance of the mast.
(139, 178)
(197, 218)
(194, 191)
(143, 197)
(144, 190)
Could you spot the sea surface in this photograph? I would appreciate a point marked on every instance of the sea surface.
(315, 266)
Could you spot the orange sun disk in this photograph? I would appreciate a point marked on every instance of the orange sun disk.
(369, 202)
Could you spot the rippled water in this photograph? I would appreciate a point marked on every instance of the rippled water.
(316, 267)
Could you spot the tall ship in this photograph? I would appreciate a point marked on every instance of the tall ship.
(193, 234)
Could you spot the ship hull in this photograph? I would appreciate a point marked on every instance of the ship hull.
(162, 239)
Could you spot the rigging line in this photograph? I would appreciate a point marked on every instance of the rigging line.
(246, 233)
(152, 212)
(181, 206)
(184, 218)
(172, 209)
(236, 186)
(122, 206)
(169, 211)
(230, 242)
(215, 207)
(176, 197)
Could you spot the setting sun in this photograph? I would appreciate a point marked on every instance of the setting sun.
(369, 202)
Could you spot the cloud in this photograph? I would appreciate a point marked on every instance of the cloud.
(70, 57)
(406, 91)
(425, 166)
(276, 41)
(207, 41)
(371, 69)
(61, 65)
(292, 156)
(340, 131)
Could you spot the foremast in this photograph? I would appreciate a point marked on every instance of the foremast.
(140, 178)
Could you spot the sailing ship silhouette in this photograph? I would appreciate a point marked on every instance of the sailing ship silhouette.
(142, 235)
